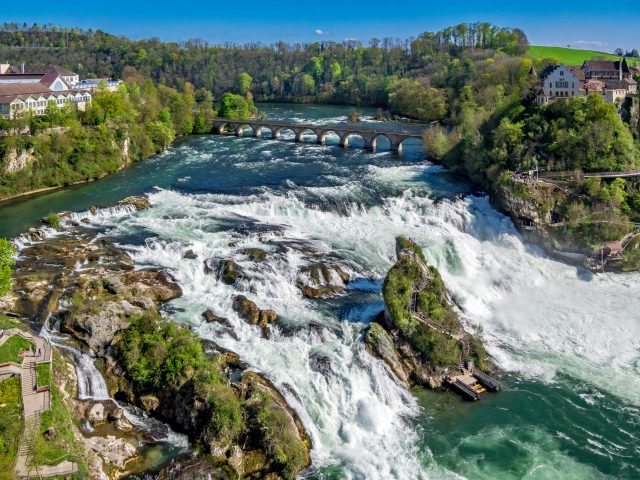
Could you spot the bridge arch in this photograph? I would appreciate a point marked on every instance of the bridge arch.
(288, 131)
(241, 128)
(410, 143)
(301, 133)
(387, 139)
(259, 130)
(325, 135)
(356, 139)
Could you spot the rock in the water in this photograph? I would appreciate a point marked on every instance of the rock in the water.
(380, 344)
(227, 271)
(255, 254)
(139, 202)
(211, 317)
(114, 451)
(96, 414)
(320, 280)
(246, 309)
(190, 255)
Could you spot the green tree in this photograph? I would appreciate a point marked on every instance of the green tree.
(7, 251)
(244, 83)
(235, 107)
(336, 71)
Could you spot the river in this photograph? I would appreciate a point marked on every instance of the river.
(567, 342)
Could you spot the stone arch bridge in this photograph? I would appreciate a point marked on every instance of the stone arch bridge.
(370, 136)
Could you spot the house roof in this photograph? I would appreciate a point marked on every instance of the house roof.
(22, 88)
(616, 84)
(607, 65)
(578, 72)
(61, 71)
(18, 70)
(50, 78)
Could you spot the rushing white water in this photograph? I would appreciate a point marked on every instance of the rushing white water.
(158, 430)
(91, 384)
(539, 317)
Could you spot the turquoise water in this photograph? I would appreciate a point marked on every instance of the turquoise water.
(567, 342)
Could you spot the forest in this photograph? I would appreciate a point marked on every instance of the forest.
(382, 73)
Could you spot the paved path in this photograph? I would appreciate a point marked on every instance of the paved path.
(34, 403)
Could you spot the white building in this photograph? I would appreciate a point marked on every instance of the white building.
(18, 100)
(611, 79)
(29, 92)
(558, 82)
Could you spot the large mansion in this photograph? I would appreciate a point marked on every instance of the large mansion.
(612, 79)
(27, 91)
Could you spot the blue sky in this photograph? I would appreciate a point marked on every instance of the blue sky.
(599, 24)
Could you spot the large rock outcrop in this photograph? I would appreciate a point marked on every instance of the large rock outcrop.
(419, 335)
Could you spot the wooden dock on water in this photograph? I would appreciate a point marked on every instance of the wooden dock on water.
(473, 385)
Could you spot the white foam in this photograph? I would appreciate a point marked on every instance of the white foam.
(539, 317)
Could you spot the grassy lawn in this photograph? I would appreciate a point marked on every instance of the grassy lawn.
(573, 56)
(11, 348)
(7, 323)
(43, 372)
(10, 425)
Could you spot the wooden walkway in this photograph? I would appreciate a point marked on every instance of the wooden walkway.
(34, 402)
(622, 174)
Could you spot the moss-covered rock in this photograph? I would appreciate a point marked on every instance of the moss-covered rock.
(419, 335)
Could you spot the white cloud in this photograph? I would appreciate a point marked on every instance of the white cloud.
(317, 31)
(590, 43)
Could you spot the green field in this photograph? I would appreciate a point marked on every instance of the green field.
(573, 56)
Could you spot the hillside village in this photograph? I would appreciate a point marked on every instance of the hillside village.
(29, 91)
(613, 79)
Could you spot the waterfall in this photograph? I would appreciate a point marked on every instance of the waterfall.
(91, 383)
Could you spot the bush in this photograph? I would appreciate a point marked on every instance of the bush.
(11, 422)
(52, 220)
(7, 251)
(43, 374)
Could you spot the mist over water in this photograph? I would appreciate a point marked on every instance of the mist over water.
(568, 342)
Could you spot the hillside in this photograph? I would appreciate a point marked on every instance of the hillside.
(573, 56)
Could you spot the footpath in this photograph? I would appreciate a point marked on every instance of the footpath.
(35, 401)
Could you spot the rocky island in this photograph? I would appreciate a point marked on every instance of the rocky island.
(419, 335)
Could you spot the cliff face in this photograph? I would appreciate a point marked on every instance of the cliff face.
(419, 335)
(565, 226)
(534, 210)
(16, 160)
